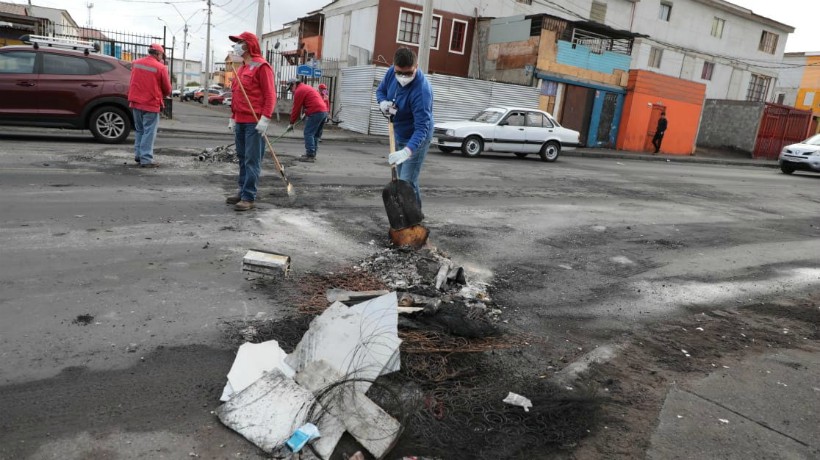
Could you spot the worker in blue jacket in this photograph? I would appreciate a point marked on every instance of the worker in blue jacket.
(406, 94)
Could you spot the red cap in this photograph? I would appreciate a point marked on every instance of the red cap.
(243, 37)
(156, 47)
(322, 86)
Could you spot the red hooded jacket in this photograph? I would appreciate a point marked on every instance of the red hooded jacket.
(257, 81)
(149, 84)
(306, 96)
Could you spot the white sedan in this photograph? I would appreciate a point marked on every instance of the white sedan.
(506, 129)
(804, 156)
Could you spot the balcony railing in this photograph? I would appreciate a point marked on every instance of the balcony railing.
(599, 43)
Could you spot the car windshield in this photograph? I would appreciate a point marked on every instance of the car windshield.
(487, 116)
(814, 140)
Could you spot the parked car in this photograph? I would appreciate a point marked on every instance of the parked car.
(199, 95)
(52, 85)
(506, 129)
(804, 156)
(188, 94)
(176, 92)
(227, 100)
(218, 99)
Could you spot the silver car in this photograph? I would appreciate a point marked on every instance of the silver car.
(804, 156)
(506, 129)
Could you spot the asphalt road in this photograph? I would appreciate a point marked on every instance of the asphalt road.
(115, 280)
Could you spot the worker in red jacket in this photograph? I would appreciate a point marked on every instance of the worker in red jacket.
(307, 99)
(252, 106)
(149, 86)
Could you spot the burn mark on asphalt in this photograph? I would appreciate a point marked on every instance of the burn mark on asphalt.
(83, 320)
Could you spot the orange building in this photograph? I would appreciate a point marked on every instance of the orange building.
(648, 95)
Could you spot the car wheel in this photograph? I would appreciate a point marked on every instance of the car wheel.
(786, 169)
(446, 149)
(472, 146)
(109, 125)
(550, 151)
(521, 154)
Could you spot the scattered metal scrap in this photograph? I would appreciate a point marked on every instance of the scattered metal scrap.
(220, 154)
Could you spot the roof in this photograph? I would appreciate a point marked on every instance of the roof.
(13, 8)
(746, 13)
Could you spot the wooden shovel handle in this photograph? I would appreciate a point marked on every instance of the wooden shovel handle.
(392, 136)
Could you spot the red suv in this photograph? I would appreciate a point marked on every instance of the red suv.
(58, 87)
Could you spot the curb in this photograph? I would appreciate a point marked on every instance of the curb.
(606, 154)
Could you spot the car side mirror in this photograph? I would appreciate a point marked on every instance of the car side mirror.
(503, 123)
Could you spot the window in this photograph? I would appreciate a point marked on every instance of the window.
(768, 42)
(458, 37)
(598, 12)
(58, 64)
(708, 68)
(717, 27)
(17, 62)
(665, 12)
(655, 56)
(538, 120)
(410, 28)
(781, 97)
(515, 119)
(758, 88)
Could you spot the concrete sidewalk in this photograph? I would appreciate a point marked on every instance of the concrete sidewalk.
(766, 407)
(193, 117)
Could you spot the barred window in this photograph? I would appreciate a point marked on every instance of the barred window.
(758, 88)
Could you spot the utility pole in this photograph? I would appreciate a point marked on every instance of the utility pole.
(207, 58)
(260, 16)
(425, 35)
(184, 49)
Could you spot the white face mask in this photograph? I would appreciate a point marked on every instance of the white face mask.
(238, 49)
(404, 81)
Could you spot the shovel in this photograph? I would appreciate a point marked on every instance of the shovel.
(403, 211)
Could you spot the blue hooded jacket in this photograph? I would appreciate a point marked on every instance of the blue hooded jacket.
(414, 116)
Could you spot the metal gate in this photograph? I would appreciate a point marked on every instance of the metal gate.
(577, 109)
(780, 125)
(454, 98)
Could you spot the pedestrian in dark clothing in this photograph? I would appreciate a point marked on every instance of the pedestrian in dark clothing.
(659, 131)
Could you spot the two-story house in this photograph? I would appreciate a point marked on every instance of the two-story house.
(799, 84)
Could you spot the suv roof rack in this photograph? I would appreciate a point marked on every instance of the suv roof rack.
(58, 42)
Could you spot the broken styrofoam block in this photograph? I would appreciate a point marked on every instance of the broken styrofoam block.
(360, 341)
(267, 412)
(266, 263)
(253, 360)
(372, 427)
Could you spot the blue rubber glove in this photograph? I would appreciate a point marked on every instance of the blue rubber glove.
(399, 157)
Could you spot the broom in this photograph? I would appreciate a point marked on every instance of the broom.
(279, 167)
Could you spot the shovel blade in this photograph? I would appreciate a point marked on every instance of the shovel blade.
(400, 204)
(413, 237)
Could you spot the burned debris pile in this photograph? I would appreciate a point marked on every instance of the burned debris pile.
(219, 154)
(401, 352)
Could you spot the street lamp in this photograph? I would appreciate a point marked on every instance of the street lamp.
(184, 40)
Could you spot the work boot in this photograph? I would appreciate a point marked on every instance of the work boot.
(136, 160)
(233, 199)
(307, 159)
(243, 205)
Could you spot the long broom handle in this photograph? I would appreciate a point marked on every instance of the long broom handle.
(255, 117)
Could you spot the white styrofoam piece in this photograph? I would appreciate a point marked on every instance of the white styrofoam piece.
(268, 411)
(359, 341)
(374, 428)
(253, 360)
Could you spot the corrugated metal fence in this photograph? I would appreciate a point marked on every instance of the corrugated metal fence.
(454, 98)
(780, 126)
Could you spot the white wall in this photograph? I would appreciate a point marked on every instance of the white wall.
(791, 77)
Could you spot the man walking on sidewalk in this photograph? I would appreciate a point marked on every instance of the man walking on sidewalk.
(661, 129)
(150, 84)
(252, 105)
(305, 97)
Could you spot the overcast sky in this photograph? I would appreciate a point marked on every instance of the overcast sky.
(234, 16)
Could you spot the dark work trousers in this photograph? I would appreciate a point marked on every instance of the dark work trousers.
(656, 141)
